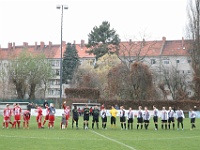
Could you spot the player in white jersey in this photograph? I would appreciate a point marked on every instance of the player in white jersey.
(130, 118)
(164, 118)
(171, 115)
(140, 117)
(155, 117)
(122, 118)
(180, 116)
(146, 116)
(104, 117)
(192, 117)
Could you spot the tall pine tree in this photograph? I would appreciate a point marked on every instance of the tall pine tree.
(103, 40)
(70, 62)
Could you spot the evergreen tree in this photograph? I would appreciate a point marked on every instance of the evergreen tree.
(102, 40)
(70, 62)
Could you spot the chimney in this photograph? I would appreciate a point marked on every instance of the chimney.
(41, 45)
(143, 42)
(13, 45)
(63, 44)
(130, 41)
(163, 45)
(163, 39)
(25, 44)
(82, 43)
(9, 46)
(50, 44)
(183, 44)
(35, 45)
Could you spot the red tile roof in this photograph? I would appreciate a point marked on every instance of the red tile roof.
(131, 48)
(141, 48)
(175, 47)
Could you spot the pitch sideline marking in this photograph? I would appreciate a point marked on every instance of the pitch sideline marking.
(113, 140)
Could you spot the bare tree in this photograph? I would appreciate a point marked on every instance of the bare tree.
(134, 51)
(193, 33)
(174, 83)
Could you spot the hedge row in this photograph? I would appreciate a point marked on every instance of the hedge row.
(183, 104)
(82, 93)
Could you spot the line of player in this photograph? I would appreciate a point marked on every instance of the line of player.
(167, 118)
(143, 117)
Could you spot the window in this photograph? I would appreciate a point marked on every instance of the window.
(189, 93)
(153, 61)
(189, 61)
(57, 82)
(57, 92)
(52, 63)
(51, 82)
(50, 92)
(57, 72)
(177, 61)
(57, 63)
(189, 72)
(182, 61)
(165, 62)
(5, 65)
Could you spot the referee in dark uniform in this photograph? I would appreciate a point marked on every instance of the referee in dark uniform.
(75, 117)
(86, 113)
(95, 114)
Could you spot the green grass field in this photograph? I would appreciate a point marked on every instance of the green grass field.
(110, 139)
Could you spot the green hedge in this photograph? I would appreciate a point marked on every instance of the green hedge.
(183, 104)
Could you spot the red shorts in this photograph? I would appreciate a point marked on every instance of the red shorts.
(39, 118)
(17, 117)
(67, 117)
(6, 119)
(51, 118)
(46, 117)
(26, 119)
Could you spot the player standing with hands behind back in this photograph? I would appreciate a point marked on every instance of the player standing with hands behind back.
(86, 113)
(113, 113)
(95, 114)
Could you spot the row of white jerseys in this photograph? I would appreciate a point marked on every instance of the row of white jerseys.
(146, 115)
(165, 114)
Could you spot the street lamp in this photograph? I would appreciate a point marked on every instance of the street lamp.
(61, 7)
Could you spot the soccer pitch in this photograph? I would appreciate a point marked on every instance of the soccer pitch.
(110, 139)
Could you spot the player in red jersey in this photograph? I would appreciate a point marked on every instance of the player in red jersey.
(52, 112)
(66, 112)
(47, 114)
(26, 117)
(39, 117)
(7, 114)
(17, 115)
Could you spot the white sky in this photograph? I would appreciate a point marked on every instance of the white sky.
(38, 20)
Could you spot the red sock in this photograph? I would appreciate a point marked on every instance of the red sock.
(39, 124)
(44, 122)
(18, 124)
(14, 124)
(6, 124)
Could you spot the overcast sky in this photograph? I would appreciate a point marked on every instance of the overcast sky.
(38, 20)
